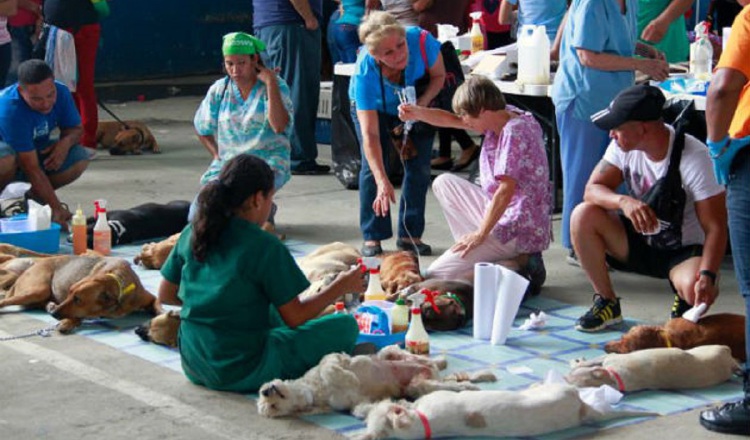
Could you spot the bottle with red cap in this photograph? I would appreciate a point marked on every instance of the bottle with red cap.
(374, 290)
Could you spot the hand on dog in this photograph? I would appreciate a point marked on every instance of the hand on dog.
(56, 154)
(350, 281)
(384, 198)
(468, 243)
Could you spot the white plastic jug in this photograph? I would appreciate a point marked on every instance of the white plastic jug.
(701, 53)
(533, 55)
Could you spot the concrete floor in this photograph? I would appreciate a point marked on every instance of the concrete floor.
(69, 387)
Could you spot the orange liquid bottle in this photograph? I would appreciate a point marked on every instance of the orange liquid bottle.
(79, 232)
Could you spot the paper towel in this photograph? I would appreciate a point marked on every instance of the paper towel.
(511, 288)
(485, 294)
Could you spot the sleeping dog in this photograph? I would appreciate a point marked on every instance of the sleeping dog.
(453, 304)
(129, 137)
(720, 329)
(74, 288)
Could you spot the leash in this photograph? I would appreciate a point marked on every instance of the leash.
(104, 107)
(617, 378)
(43, 332)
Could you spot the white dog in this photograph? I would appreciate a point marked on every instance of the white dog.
(329, 259)
(341, 382)
(534, 411)
(657, 368)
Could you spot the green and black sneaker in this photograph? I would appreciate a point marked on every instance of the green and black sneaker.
(604, 313)
(679, 307)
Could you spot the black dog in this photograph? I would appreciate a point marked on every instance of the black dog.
(143, 222)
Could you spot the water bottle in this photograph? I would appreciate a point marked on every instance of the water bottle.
(701, 53)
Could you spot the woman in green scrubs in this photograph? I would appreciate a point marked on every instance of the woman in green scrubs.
(243, 323)
(661, 23)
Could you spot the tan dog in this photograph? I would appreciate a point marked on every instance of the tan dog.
(329, 259)
(720, 329)
(131, 137)
(154, 255)
(340, 382)
(657, 368)
(161, 329)
(398, 271)
(77, 287)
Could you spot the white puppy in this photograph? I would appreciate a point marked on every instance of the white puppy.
(534, 411)
(657, 368)
(329, 259)
(340, 382)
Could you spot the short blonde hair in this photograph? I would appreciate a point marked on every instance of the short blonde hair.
(477, 93)
(376, 26)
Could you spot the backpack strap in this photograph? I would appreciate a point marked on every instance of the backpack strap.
(673, 171)
(422, 40)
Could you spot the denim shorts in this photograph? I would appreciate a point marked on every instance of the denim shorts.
(646, 260)
(76, 154)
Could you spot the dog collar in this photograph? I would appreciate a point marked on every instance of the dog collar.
(425, 424)
(455, 298)
(124, 290)
(617, 378)
(665, 336)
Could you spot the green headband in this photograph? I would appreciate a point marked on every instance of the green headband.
(240, 43)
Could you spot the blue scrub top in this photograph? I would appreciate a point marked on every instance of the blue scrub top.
(599, 26)
(541, 12)
(365, 88)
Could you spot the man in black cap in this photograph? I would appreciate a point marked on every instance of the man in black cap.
(624, 231)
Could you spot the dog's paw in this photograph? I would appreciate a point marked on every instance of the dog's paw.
(440, 362)
(482, 376)
(362, 410)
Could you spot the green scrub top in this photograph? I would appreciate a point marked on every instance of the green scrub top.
(228, 300)
(675, 42)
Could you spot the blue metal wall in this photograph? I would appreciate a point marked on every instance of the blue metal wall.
(166, 38)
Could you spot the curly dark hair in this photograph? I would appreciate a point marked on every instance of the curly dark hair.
(240, 178)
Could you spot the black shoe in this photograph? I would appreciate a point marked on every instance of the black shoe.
(370, 250)
(442, 166)
(730, 418)
(679, 307)
(536, 273)
(418, 248)
(461, 165)
(313, 169)
(604, 313)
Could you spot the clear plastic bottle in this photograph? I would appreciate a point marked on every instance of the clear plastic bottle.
(79, 232)
(399, 317)
(102, 233)
(477, 37)
(417, 340)
(374, 290)
(701, 53)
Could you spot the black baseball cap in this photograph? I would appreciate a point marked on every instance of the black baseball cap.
(637, 103)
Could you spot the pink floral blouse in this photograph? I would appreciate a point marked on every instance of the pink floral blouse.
(519, 153)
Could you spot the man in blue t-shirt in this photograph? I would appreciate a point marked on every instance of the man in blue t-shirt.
(29, 111)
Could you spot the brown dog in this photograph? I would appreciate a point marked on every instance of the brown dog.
(720, 329)
(153, 255)
(161, 329)
(398, 271)
(454, 302)
(77, 287)
(128, 138)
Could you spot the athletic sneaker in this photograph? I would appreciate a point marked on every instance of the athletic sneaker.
(604, 313)
(572, 259)
(679, 307)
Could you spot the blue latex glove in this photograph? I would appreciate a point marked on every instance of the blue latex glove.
(722, 154)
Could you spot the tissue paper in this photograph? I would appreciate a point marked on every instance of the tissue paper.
(485, 295)
(40, 217)
(511, 288)
(695, 313)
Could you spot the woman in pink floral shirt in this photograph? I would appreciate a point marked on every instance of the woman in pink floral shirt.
(506, 218)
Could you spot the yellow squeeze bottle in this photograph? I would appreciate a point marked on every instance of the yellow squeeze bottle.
(374, 290)
(477, 38)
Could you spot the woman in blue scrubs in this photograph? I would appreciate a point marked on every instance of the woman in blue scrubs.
(597, 60)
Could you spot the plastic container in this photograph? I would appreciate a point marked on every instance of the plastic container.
(374, 290)
(339, 308)
(18, 223)
(533, 55)
(46, 241)
(417, 340)
(381, 341)
(477, 38)
(399, 317)
(102, 233)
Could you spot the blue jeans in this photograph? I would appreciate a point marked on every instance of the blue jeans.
(582, 145)
(738, 207)
(413, 191)
(297, 52)
(343, 41)
(21, 48)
